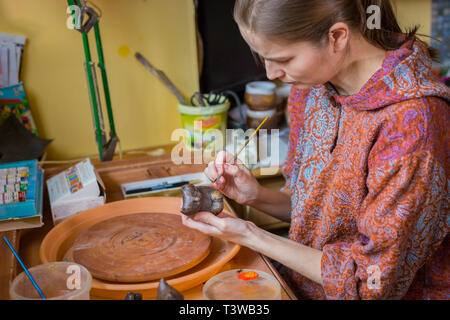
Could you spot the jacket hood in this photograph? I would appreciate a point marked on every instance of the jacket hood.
(405, 74)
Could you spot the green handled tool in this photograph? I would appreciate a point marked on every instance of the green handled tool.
(87, 19)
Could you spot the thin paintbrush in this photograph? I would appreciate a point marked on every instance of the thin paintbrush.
(243, 146)
(24, 268)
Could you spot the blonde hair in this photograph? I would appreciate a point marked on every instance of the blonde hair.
(310, 20)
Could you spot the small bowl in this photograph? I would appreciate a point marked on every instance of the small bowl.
(234, 285)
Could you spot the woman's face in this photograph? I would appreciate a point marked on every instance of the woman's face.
(300, 64)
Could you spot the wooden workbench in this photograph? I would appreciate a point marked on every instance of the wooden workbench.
(114, 173)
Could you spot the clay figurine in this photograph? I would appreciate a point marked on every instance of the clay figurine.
(201, 198)
(167, 292)
(133, 296)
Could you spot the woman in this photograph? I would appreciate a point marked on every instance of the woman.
(368, 167)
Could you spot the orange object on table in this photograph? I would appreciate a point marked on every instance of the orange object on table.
(249, 275)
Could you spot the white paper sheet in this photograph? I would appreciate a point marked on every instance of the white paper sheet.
(11, 48)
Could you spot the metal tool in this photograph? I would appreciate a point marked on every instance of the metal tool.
(208, 99)
(199, 97)
(162, 77)
(92, 18)
(106, 148)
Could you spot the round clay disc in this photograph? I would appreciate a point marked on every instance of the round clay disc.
(140, 247)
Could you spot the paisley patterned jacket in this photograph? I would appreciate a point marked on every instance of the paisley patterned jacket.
(369, 181)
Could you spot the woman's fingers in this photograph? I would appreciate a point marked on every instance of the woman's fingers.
(209, 218)
(230, 169)
(238, 162)
(223, 158)
(211, 171)
(220, 160)
(223, 214)
(222, 226)
(221, 166)
(221, 182)
(200, 226)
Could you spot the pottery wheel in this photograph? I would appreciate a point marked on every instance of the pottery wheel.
(140, 247)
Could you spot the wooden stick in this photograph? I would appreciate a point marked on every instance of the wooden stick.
(243, 146)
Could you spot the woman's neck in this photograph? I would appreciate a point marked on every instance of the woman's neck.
(363, 60)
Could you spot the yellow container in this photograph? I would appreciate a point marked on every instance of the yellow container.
(203, 125)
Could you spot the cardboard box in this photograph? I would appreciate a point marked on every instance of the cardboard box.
(74, 190)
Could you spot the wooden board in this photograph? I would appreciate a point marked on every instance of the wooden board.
(140, 247)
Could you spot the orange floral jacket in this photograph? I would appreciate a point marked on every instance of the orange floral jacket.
(369, 181)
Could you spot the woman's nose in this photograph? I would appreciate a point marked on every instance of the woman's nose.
(272, 71)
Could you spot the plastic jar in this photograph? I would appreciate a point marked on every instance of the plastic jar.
(57, 280)
(260, 95)
(201, 123)
(254, 119)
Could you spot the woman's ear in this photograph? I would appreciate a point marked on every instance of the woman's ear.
(338, 37)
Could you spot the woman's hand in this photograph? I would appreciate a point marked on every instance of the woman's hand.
(222, 226)
(236, 182)
(296, 256)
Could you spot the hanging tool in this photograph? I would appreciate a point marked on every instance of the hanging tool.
(89, 18)
(163, 78)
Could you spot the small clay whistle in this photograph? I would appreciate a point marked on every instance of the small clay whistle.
(201, 198)
(133, 296)
(167, 292)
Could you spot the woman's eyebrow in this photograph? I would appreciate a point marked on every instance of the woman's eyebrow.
(256, 54)
(276, 58)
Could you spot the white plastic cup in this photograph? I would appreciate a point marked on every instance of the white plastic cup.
(57, 280)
